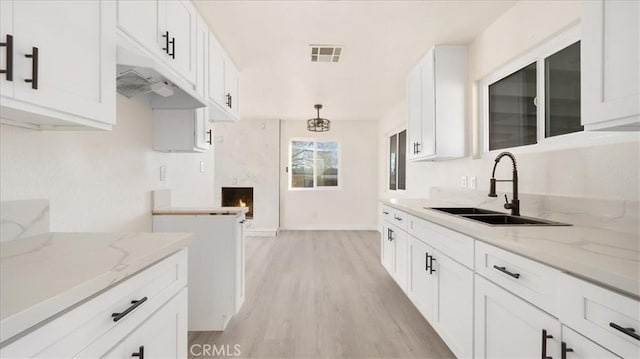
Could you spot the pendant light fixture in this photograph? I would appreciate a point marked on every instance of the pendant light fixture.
(318, 124)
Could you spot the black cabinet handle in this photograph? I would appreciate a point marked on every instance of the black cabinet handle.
(545, 336)
(135, 304)
(34, 68)
(505, 271)
(9, 70)
(628, 331)
(173, 48)
(166, 42)
(229, 100)
(426, 261)
(385, 212)
(210, 132)
(139, 353)
(431, 270)
(418, 147)
(429, 263)
(391, 234)
(397, 218)
(565, 350)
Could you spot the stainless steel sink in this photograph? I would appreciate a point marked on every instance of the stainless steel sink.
(494, 218)
(463, 210)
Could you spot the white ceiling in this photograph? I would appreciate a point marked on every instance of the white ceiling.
(269, 42)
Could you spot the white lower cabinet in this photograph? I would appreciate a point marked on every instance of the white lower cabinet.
(508, 327)
(394, 254)
(577, 346)
(388, 252)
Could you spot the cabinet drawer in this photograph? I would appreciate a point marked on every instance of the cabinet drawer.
(395, 217)
(72, 331)
(535, 282)
(595, 312)
(451, 243)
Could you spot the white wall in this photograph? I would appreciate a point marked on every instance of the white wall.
(602, 171)
(247, 155)
(96, 180)
(354, 204)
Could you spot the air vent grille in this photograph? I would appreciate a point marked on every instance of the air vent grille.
(325, 53)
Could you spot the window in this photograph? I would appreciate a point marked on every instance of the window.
(397, 161)
(538, 99)
(313, 164)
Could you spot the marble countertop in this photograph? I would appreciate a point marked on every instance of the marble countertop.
(602, 256)
(238, 211)
(42, 275)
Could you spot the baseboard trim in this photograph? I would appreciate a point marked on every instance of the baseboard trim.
(261, 232)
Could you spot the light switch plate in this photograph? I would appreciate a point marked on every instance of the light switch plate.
(473, 183)
(463, 181)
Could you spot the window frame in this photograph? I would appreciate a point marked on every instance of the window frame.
(537, 55)
(315, 155)
(388, 160)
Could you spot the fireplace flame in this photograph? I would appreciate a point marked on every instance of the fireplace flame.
(242, 204)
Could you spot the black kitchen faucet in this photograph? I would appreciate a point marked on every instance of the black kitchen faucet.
(514, 206)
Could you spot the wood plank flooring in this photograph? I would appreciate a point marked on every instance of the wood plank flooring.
(324, 294)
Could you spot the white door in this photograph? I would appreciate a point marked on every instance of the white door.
(6, 35)
(428, 147)
(74, 68)
(179, 18)
(610, 61)
(414, 89)
(422, 278)
(454, 304)
(216, 72)
(164, 334)
(576, 346)
(139, 20)
(508, 327)
(401, 262)
(231, 85)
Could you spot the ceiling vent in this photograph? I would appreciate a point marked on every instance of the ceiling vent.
(325, 53)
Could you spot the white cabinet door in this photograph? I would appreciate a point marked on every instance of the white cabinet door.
(240, 263)
(164, 335)
(610, 64)
(179, 19)
(6, 37)
(428, 100)
(232, 85)
(216, 72)
(401, 263)
(422, 279)
(203, 134)
(139, 20)
(388, 250)
(576, 346)
(454, 304)
(414, 108)
(508, 327)
(74, 69)
(202, 51)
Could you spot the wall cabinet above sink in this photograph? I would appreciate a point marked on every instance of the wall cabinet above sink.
(436, 92)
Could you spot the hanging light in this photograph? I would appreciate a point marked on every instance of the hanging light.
(318, 124)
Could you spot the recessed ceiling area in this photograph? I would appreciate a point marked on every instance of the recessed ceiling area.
(270, 43)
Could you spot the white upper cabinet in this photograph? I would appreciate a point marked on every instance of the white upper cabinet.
(224, 84)
(610, 65)
(181, 130)
(60, 69)
(167, 29)
(436, 92)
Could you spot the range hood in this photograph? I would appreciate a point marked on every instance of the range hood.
(145, 79)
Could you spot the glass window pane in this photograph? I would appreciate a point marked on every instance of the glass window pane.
(512, 110)
(327, 164)
(402, 158)
(301, 164)
(393, 155)
(562, 91)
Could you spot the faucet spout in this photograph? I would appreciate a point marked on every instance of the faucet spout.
(514, 206)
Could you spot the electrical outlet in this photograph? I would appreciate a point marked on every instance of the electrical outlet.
(163, 173)
(463, 181)
(202, 166)
(473, 183)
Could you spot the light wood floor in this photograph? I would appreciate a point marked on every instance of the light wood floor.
(313, 294)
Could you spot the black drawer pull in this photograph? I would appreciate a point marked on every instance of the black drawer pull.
(9, 70)
(397, 218)
(385, 212)
(505, 271)
(545, 336)
(139, 353)
(34, 68)
(628, 331)
(565, 350)
(134, 304)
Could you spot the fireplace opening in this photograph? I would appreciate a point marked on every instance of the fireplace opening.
(238, 197)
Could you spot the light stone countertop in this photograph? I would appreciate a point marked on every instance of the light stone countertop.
(238, 211)
(601, 256)
(43, 275)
